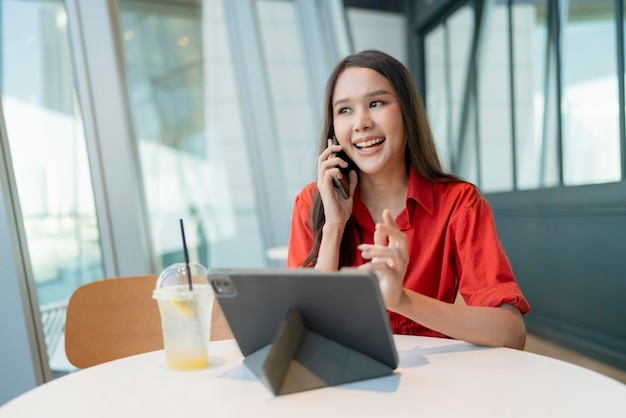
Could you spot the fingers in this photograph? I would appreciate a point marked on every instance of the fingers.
(330, 168)
(327, 159)
(390, 243)
(380, 268)
(354, 180)
(388, 259)
(389, 234)
(373, 250)
(389, 256)
(328, 164)
(388, 219)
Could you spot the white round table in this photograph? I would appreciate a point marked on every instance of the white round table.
(436, 378)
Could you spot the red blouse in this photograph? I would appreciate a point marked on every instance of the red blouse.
(452, 242)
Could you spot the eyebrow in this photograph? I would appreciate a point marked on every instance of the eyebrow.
(373, 93)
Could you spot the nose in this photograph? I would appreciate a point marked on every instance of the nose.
(362, 120)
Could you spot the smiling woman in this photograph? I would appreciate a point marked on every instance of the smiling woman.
(426, 234)
(366, 116)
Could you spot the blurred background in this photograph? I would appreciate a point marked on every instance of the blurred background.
(118, 117)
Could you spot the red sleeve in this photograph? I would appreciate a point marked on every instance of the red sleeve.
(300, 235)
(485, 274)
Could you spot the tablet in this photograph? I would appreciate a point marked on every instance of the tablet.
(344, 306)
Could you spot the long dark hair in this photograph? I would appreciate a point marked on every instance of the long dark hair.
(420, 152)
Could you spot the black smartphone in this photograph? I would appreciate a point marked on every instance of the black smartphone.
(342, 184)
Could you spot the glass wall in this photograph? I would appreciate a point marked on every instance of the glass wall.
(47, 146)
(548, 157)
(447, 51)
(189, 130)
(284, 58)
(590, 110)
(460, 28)
(438, 97)
(530, 67)
(376, 29)
(546, 109)
(494, 103)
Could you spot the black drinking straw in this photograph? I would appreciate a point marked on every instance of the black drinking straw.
(182, 231)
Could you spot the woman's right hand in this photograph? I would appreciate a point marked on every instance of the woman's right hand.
(337, 210)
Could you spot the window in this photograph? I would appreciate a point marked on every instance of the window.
(453, 118)
(562, 82)
(438, 98)
(494, 103)
(378, 29)
(285, 60)
(189, 132)
(47, 145)
(590, 103)
(530, 75)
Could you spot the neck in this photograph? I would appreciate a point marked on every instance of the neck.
(384, 191)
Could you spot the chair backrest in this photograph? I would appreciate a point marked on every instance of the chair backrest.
(110, 319)
(117, 317)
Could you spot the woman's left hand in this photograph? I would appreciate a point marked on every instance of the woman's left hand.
(389, 259)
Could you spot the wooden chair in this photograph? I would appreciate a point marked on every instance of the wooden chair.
(117, 317)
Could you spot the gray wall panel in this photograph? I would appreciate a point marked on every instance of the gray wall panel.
(571, 265)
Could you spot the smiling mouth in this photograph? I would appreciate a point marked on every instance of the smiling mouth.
(372, 143)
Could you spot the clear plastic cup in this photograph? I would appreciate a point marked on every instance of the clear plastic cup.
(185, 315)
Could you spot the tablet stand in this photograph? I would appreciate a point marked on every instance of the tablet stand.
(299, 359)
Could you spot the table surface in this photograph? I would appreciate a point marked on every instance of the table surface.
(436, 377)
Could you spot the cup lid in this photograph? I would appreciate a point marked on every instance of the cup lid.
(172, 283)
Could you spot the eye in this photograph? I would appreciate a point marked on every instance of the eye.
(343, 110)
(376, 103)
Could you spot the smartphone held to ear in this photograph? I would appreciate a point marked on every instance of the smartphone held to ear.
(341, 184)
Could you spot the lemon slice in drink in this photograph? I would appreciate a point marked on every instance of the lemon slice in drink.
(184, 306)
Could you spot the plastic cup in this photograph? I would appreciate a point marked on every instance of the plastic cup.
(185, 315)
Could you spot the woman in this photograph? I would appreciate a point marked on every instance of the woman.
(425, 234)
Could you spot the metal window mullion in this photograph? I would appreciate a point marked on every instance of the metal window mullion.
(416, 48)
(619, 21)
(476, 103)
(546, 92)
(483, 19)
(512, 95)
(559, 11)
(81, 79)
(1, 61)
(112, 151)
(259, 126)
(448, 92)
(477, 42)
(416, 53)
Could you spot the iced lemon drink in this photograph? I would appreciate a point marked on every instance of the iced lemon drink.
(185, 316)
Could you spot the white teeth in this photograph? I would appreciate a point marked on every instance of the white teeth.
(369, 143)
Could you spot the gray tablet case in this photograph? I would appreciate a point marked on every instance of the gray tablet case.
(300, 329)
